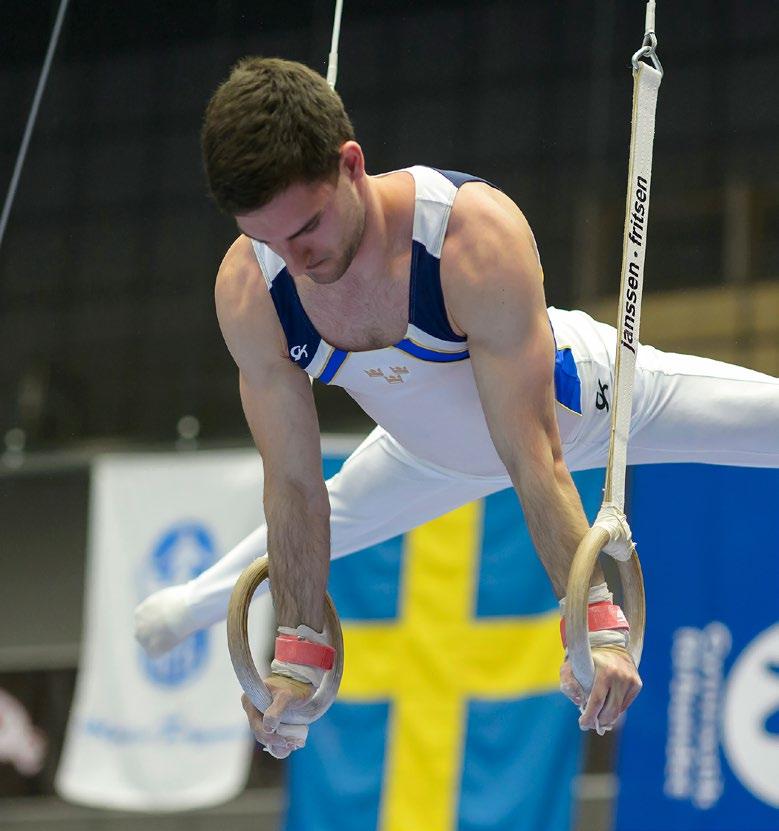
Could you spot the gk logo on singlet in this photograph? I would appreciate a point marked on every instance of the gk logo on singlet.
(299, 352)
(180, 553)
(601, 402)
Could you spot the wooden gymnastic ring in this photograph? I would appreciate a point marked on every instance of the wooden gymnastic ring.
(241, 656)
(577, 602)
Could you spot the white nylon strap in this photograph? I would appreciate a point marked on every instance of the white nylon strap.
(646, 84)
(649, 25)
(332, 63)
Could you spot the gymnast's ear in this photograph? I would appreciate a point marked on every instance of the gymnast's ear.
(352, 162)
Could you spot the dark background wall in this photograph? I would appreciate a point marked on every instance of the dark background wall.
(106, 316)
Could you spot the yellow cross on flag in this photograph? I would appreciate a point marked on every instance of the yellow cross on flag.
(434, 658)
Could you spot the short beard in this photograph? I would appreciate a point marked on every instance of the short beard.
(342, 264)
(351, 249)
(352, 245)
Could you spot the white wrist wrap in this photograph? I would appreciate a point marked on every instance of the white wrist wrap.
(307, 633)
(609, 637)
(598, 594)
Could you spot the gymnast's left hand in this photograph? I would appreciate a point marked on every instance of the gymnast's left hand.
(279, 739)
(616, 686)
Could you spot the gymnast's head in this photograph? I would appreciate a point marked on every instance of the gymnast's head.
(280, 157)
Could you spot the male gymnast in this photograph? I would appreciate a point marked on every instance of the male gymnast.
(420, 292)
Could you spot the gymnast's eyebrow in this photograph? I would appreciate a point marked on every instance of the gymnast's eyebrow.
(302, 230)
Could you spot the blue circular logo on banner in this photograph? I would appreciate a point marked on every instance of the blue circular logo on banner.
(179, 554)
(751, 717)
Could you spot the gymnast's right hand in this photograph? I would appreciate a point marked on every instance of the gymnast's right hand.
(163, 620)
(279, 739)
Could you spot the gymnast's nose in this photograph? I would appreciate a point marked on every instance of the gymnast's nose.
(297, 257)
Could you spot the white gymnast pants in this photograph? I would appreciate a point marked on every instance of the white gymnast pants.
(685, 409)
(381, 491)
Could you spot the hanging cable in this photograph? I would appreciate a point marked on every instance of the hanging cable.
(22, 155)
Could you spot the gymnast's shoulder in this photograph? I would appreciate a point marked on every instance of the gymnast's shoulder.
(239, 272)
(243, 304)
(489, 247)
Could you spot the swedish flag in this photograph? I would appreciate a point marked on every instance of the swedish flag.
(449, 716)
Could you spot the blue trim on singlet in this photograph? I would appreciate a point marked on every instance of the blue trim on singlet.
(332, 366)
(568, 387)
(301, 335)
(458, 179)
(426, 309)
(432, 355)
(426, 298)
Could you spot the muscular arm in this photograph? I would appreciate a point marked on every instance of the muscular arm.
(523, 426)
(494, 289)
(279, 408)
(493, 284)
(297, 510)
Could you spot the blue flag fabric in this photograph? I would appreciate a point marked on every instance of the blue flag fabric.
(700, 747)
(449, 716)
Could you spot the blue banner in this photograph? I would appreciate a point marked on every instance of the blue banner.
(449, 716)
(700, 747)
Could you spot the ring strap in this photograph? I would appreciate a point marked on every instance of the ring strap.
(645, 87)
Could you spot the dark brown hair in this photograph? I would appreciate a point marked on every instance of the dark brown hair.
(271, 124)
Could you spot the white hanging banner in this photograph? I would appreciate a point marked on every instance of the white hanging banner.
(168, 733)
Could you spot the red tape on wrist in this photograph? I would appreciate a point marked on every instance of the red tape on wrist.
(295, 651)
(600, 616)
